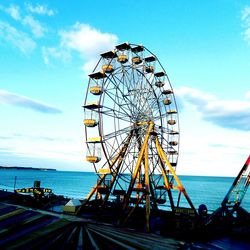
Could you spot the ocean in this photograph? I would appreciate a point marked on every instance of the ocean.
(201, 189)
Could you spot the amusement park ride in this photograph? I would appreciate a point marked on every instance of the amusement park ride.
(132, 118)
(132, 136)
(230, 206)
(236, 193)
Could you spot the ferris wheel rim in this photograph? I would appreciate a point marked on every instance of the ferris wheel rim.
(102, 97)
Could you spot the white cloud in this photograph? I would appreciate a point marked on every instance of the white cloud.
(224, 113)
(196, 95)
(36, 27)
(89, 65)
(247, 35)
(35, 150)
(57, 53)
(245, 13)
(87, 41)
(48, 146)
(14, 99)
(208, 148)
(39, 9)
(81, 38)
(18, 39)
(247, 95)
(14, 12)
(245, 17)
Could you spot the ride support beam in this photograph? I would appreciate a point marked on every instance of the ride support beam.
(167, 184)
(116, 171)
(138, 166)
(179, 184)
(147, 189)
(94, 189)
(91, 193)
(238, 189)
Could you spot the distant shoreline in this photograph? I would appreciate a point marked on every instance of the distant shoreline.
(26, 168)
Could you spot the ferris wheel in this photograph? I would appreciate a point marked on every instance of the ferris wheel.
(132, 128)
(129, 86)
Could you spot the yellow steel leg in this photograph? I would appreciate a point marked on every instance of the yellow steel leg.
(166, 184)
(93, 190)
(179, 184)
(138, 165)
(114, 160)
(147, 189)
(116, 171)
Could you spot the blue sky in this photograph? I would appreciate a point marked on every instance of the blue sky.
(47, 49)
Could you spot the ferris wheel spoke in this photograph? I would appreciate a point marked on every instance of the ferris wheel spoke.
(118, 133)
(159, 116)
(124, 93)
(120, 99)
(116, 101)
(115, 114)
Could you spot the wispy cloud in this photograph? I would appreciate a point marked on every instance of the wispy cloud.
(25, 102)
(56, 53)
(81, 38)
(13, 11)
(18, 39)
(233, 114)
(245, 17)
(35, 26)
(248, 95)
(24, 30)
(87, 41)
(39, 9)
(41, 151)
(220, 145)
(35, 137)
(2, 137)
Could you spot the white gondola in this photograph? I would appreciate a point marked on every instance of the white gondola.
(94, 150)
(91, 118)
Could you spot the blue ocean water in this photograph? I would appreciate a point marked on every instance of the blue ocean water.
(201, 189)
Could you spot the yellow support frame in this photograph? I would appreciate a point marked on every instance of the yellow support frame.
(138, 165)
(179, 184)
(164, 162)
(120, 156)
(145, 191)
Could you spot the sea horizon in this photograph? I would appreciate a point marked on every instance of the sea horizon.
(209, 190)
(88, 171)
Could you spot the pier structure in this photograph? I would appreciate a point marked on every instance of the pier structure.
(40, 229)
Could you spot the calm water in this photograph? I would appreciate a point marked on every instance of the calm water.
(201, 189)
